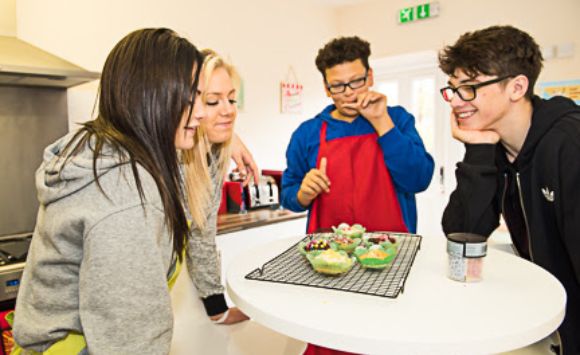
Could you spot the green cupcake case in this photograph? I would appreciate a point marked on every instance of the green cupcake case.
(319, 264)
(349, 248)
(375, 263)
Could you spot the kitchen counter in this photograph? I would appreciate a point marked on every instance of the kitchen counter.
(233, 222)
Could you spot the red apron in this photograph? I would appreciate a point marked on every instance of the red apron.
(361, 191)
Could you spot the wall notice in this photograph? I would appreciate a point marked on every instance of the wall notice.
(291, 93)
(567, 88)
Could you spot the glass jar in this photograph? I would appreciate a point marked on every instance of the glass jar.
(465, 253)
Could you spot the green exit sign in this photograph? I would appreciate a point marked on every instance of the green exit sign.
(419, 12)
(406, 14)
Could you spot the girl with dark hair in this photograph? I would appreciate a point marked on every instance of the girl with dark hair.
(111, 228)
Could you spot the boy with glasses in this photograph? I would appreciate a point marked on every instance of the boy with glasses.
(358, 161)
(522, 157)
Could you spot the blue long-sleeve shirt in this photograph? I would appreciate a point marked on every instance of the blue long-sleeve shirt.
(409, 164)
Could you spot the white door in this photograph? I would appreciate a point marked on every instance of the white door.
(413, 81)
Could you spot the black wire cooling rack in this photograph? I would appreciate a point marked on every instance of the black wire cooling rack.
(290, 267)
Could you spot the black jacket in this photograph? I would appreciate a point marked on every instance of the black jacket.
(545, 177)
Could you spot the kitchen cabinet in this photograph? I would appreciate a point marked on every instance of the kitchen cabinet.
(194, 333)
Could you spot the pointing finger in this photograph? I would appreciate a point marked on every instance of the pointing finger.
(323, 165)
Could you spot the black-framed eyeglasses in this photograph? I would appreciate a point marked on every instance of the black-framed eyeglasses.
(353, 85)
(468, 92)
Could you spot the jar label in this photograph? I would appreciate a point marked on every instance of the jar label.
(455, 249)
(468, 250)
(475, 250)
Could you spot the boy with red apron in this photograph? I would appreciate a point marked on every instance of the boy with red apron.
(358, 161)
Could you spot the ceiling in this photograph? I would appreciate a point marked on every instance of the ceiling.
(338, 3)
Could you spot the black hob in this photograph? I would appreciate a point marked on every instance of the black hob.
(13, 252)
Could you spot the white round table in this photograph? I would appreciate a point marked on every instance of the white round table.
(517, 303)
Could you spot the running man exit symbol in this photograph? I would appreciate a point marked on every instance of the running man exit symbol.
(406, 15)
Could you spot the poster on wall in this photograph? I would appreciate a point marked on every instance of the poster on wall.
(567, 88)
(291, 93)
(241, 96)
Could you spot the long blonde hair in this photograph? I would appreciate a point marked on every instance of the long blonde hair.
(206, 159)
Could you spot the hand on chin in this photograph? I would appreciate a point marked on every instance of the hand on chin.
(472, 134)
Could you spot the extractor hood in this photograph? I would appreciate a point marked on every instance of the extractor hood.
(22, 64)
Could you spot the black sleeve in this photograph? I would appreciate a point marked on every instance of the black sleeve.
(215, 304)
(569, 175)
(473, 205)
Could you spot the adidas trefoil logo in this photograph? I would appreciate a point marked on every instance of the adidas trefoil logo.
(549, 195)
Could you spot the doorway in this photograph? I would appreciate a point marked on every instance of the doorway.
(413, 81)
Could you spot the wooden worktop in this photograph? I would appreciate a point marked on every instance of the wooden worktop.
(233, 222)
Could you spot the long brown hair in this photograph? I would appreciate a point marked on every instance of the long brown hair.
(145, 88)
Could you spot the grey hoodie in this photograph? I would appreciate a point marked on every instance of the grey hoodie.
(96, 265)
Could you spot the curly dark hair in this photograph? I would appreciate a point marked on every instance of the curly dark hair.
(341, 50)
(496, 50)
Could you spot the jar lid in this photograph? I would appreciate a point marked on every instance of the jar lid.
(466, 238)
(467, 245)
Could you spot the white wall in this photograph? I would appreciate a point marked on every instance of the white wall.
(7, 17)
(264, 37)
(549, 22)
(261, 37)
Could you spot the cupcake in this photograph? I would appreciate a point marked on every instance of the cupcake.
(313, 246)
(375, 257)
(345, 243)
(330, 262)
(354, 231)
(383, 239)
(324, 235)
